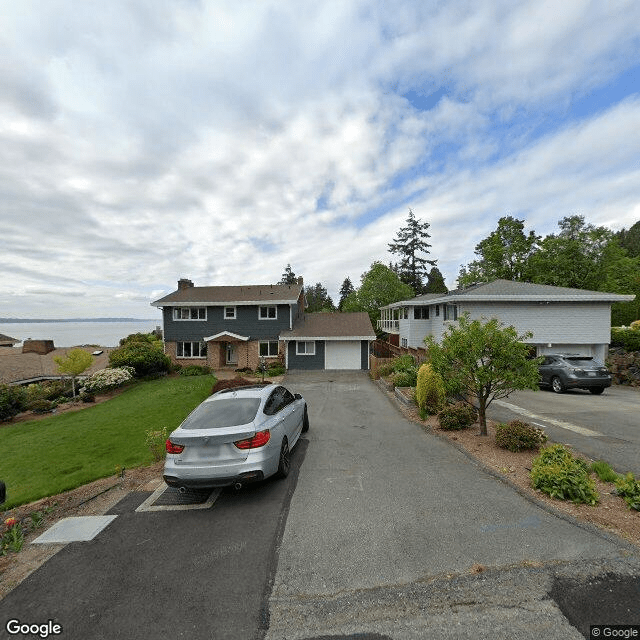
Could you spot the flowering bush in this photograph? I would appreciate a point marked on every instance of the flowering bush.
(107, 379)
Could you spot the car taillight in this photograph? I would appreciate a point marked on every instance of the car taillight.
(174, 448)
(259, 440)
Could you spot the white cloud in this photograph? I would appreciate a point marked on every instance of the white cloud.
(142, 142)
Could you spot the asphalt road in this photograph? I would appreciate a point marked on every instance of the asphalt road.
(389, 525)
(200, 574)
(381, 531)
(605, 427)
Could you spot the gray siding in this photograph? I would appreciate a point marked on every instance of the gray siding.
(306, 362)
(245, 324)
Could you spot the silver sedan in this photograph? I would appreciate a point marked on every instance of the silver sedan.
(236, 436)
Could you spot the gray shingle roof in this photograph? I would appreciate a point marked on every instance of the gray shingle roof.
(510, 291)
(243, 294)
(354, 326)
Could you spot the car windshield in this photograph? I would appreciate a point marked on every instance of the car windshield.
(226, 412)
(583, 361)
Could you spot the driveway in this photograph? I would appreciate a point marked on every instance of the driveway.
(388, 525)
(603, 427)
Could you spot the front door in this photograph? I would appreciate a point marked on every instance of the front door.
(232, 353)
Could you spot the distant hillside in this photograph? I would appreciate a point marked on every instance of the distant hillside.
(16, 320)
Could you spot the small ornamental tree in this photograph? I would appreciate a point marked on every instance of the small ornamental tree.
(483, 362)
(76, 362)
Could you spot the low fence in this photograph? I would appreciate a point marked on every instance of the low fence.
(384, 352)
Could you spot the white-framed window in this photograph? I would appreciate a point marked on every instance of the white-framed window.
(268, 312)
(305, 348)
(190, 313)
(437, 310)
(229, 313)
(191, 349)
(404, 342)
(420, 313)
(450, 311)
(404, 313)
(269, 349)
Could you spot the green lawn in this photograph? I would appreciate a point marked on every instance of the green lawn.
(45, 457)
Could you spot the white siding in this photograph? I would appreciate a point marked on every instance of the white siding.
(568, 323)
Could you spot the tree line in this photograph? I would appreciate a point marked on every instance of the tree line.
(579, 255)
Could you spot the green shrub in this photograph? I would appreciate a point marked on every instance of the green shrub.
(150, 338)
(276, 369)
(144, 357)
(604, 471)
(430, 392)
(518, 436)
(156, 441)
(12, 401)
(55, 389)
(195, 370)
(558, 474)
(629, 488)
(87, 397)
(457, 416)
(42, 406)
(405, 378)
(628, 339)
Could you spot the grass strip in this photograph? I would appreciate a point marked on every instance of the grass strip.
(45, 457)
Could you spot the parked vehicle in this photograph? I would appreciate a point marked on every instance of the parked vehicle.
(236, 436)
(562, 371)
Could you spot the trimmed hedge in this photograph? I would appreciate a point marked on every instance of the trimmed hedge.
(628, 339)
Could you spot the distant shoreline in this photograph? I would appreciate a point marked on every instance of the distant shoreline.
(34, 320)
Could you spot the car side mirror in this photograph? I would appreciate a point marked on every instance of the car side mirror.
(297, 396)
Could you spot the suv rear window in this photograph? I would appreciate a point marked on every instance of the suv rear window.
(226, 412)
(581, 361)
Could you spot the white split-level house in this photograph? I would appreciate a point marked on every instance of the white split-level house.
(561, 319)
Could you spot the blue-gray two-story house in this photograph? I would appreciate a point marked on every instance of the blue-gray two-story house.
(236, 326)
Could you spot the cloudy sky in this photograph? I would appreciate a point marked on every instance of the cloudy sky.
(142, 141)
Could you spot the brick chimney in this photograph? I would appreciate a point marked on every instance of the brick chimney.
(184, 283)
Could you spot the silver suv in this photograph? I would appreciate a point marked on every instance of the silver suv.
(562, 371)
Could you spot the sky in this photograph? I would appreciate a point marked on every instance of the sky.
(143, 141)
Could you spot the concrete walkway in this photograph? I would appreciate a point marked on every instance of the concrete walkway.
(386, 516)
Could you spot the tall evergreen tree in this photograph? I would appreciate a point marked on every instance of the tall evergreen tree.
(346, 289)
(288, 277)
(630, 240)
(318, 299)
(410, 242)
(435, 282)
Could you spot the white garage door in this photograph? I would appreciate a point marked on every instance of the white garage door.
(342, 354)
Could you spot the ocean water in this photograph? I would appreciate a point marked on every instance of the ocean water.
(73, 334)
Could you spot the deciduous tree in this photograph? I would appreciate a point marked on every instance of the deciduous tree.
(380, 286)
(76, 362)
(483, 362)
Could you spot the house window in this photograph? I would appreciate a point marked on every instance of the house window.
(404, 313)
(404, 342)
(269, 349)
(307, 348)
(437, 310)
(268, 313)
(450, 311)
(420, 313)
(190, 313)
(191, 350)
(229, 313)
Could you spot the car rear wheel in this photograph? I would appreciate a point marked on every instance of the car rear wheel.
(596, 390)
(285, 460)
(556, 385)
(305, 420)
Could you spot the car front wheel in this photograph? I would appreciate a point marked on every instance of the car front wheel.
(285, 460)
(596, 390)
(556, 385)
(305, 420)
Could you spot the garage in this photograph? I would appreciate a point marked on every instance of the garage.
(342, 354)
(328, 341)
